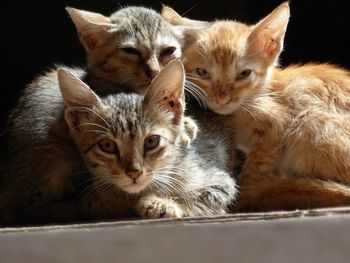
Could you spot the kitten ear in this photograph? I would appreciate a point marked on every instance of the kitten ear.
(78, 98)
(167, 90)
(175, 19)
(188, 29)
(268, 35)
(92, 27)
(74, 91)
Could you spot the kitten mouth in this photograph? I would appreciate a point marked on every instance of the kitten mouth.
(223, 109)
(135, 187)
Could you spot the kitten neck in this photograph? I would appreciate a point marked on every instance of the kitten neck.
(101, 85)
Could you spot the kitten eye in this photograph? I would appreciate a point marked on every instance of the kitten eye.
(244, 74)
(203, 73)
(131, 51)
(108, 146)
(151, 142)
(167, 51)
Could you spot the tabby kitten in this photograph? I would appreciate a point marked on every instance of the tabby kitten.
(127, 49)
(291, 121)
(130, 146)
(124, 52)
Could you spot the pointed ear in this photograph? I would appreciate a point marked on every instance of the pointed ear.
(74, 91)
(188, 29)
(175, 19)
(268, 35)
(167, 90)
(78, 98)
(92, 27)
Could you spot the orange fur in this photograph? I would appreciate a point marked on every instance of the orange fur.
(293, 121)
(290, 194)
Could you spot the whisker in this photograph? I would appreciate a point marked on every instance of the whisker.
(92, 111)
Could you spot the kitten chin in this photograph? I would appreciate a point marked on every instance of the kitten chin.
(134, 187)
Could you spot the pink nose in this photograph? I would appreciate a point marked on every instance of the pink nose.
(222, 98)
(134, 174)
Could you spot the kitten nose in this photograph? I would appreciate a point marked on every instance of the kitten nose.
(222, 98)
(134, 174)
(151, 73)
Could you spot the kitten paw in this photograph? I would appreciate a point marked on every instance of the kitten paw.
(156, 207)
(191, 128)
(190, 134)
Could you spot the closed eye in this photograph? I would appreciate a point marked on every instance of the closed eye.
(131, 51)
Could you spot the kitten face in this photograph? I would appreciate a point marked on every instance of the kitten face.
(217, 61)
(231, 61)
(129, 48)
(127, 140)
(131, 149)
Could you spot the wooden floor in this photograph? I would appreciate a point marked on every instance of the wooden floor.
(298, 236)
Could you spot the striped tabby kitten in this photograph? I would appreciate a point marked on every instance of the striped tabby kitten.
(130, 147)
(127, 49)
(293, 123)
(124, 52)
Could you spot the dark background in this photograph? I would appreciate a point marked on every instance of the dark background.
(37, 34)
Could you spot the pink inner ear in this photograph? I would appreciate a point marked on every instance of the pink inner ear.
(267, 43)
(168, 103)
(171, 104)
(91, 41)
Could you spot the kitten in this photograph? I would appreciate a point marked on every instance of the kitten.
(127, 49)
(123, 54)
(130, 146)
(289, 121)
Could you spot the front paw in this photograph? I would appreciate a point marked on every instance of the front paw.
(191, 128)
(189, 133)
(155, 207)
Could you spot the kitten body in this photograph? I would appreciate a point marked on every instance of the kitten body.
(289, 121)
(123, 53)
(127, 149)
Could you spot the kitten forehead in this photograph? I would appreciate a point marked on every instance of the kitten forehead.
(227, 40)
(223, 46)
(127, 117)
(159, 42)
(142, 23)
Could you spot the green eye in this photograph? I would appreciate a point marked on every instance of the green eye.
(244, 74)
(203, 73)
(131, 51)
(151, 142)
(108, 146)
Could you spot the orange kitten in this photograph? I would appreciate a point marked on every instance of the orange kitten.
(292, 121)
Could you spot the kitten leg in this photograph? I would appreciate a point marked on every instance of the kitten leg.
(290, 194)
(152, 206)
(213, 198)
(29, 184)
(260, 161)
(190, 132)
(108, 204)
